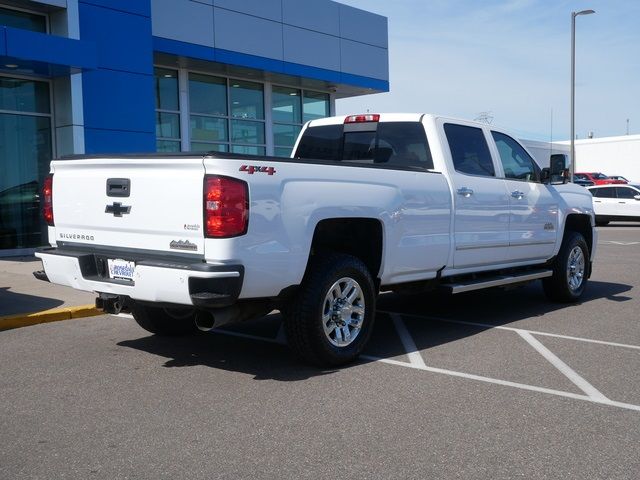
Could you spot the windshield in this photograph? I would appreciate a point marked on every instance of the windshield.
(600, 176)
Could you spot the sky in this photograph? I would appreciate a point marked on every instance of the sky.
(512, 58)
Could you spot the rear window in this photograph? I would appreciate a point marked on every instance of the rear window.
(395, 144)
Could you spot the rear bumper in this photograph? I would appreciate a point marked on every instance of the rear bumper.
(157, 278)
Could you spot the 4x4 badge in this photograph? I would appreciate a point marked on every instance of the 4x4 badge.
(117, 209)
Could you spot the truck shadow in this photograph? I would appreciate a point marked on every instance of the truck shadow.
(12, 303)
(251, 348)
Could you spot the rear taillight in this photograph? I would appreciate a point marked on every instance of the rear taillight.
(369, 117)
(226, 207)
(47, 200)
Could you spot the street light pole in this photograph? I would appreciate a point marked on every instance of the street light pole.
(572, 168)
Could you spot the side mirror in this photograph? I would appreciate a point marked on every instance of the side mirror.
(637, 197)
(558, 168)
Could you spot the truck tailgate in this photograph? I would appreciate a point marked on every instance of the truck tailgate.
(137, 203)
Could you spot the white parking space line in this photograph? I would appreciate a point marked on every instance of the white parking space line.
(566, 370)
(415, 358)
(453, 373)
(613, 242)
(512, 329)
(496, 381)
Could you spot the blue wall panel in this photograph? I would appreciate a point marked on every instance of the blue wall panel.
(138, 7)
(118, 100)
(183, 20)
(247, 34)
(123, 40)
(364, 60)
(269, 9)
(49, 49)
(364, 27)
(108, 141)
(313, 15)
(311, 48)
(119, 96)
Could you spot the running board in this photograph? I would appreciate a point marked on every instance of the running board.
(497, 281)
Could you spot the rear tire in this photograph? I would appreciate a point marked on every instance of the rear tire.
(570, 270)
(165, 321)
(330, 320)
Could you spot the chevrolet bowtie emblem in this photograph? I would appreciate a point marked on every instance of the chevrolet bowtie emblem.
(117, 209)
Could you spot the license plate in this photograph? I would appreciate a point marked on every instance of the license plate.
(121, 269)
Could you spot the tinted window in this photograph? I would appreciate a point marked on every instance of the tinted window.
(23, 20)
(469, 150)
(516, 162)
(580, 176)
(605, 192)
(624, 192)
(321, 143)
(402, 144)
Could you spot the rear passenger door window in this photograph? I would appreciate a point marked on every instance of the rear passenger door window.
(516, 162)
(606, 192)
(469, 150)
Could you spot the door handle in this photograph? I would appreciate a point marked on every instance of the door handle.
(517, 194)
(465, 192)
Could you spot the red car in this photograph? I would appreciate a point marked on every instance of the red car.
(597, 178)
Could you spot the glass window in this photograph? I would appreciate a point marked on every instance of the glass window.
(401, 144)
(625, 192)
(247, 100)
(25, 153)
(469, 150)
(24, 95)
(209, 147)
(209, 129)
(243, 131)
(167, 110)
(605, 192)
(316, 105)
(516, 162)
(167, 146)
(166, 88)
(282, 151)
(23, 20)
(207, 94)
(321, 143)
(286, 106)
(248, 150)
(285, 135)
(167, 125)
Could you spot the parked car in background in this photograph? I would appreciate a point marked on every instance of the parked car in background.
(596, 177)
(619, 177)
(616, 203)
(582, 182)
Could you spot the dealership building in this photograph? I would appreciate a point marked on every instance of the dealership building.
(107, 76)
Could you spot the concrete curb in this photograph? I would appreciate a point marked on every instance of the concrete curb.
(46, 316)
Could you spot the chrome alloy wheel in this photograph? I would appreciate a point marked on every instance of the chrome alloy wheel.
(343, 312)
(575, 268)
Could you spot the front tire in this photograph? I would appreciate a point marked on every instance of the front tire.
(168, 322)
(331, 319)
(570, 270)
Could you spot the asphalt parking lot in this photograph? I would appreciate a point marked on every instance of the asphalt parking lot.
(483, 385)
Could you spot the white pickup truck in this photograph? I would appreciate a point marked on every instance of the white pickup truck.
(367, 203)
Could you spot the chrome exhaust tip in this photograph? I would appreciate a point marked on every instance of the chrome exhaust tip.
(205, 321)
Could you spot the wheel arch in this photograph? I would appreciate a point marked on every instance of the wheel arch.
(359, 237)
(580, 223)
